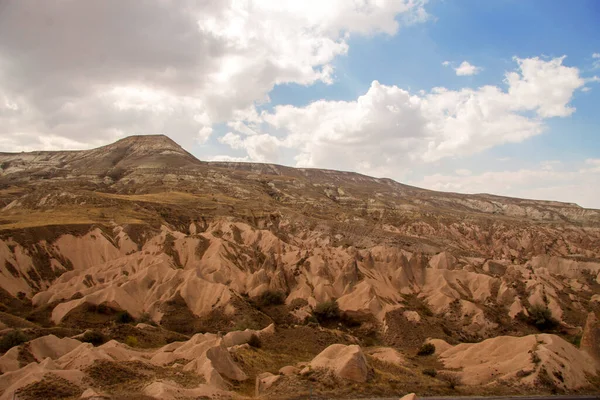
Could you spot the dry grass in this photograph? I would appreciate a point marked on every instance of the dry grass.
(27, 218)
(130, 377)
(50, 387)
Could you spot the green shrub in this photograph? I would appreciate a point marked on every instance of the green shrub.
(123, 317)
(327, 311)
(271, 298)
(131, 341)
(94, 337)
(575, 340)
(255, 341)
(541, 317)
(426, 350)
(430, 372)
(12, 339)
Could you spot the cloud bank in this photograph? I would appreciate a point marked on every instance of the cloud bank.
(75, 74)
(389, 128)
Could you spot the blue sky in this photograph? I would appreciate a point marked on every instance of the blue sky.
(495, 96)
(488, 34)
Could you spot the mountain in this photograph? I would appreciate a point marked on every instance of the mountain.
(207, 278)
(134, 152)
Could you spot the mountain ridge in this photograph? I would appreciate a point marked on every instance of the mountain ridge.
(159, 152)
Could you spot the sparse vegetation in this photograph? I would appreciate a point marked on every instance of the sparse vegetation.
(50, 387)
(12, 339)
(327, 311)
(430, 372)
(426, 350)
(145, 318)
(575, 340)
(246, 322)
(541, 317)
(123, 317)
(94, 337)
(255, 341)
(271, 298)
(131, 341)
(453, 380)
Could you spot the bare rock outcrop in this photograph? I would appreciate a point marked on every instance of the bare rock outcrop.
(524, 359)
(590, 341)
(347, 362)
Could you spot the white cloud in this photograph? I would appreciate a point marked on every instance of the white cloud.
(260, 148)
(228, 158)
(464, 69)
(593, 165)
(467, 69)
(388, 128)
(544, 86)
(596, 62)
(543, 183)
(89, 72)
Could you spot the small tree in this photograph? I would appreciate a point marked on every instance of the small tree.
(12, 339)
(123, 317)
(541, 317)
(94, 337)
(271, 298)
(426, 350)
(328, 310)
(255, 341)
(453, 380)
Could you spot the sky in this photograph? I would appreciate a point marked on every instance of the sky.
(469, 96)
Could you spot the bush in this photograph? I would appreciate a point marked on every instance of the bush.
(430, 372)
(453, 380)
(255, 341)
(327, 311)
(123, 317)
(271, 298)
(350, 320)
(94, 337)
(541, 317)
(426, 350)
(131, 341)
(12, 339)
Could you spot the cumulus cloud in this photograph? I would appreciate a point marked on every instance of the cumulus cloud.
(388, 128)
(464, 69)
(467, 69)
(88, 72)
(260, 148)
(570, 184)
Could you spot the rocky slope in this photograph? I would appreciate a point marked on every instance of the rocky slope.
(505, 289)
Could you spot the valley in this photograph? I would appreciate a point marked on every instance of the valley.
(137, 271)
